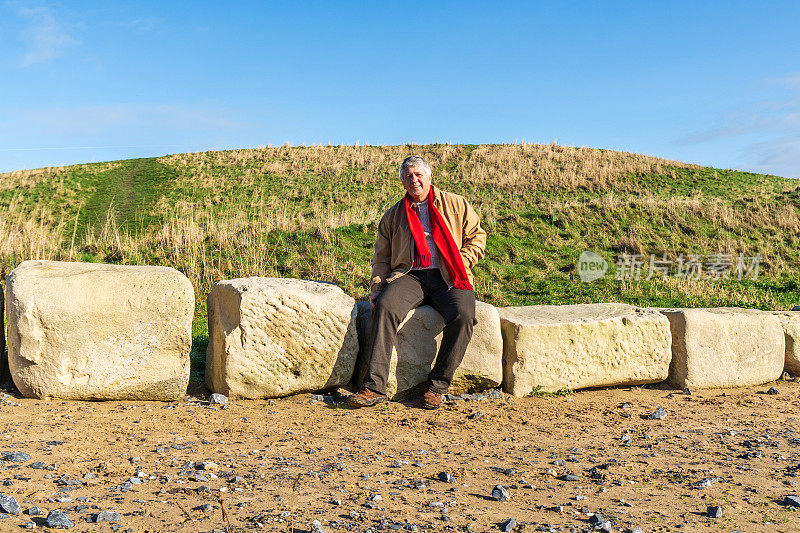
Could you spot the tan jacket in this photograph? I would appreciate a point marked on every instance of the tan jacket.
(394, 245)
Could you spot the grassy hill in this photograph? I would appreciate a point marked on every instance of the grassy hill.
(311, 212)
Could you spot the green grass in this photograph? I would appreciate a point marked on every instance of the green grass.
(199, 343)
(127, 193)
(537, 392)
(296, 213)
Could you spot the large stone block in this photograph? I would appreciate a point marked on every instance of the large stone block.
(790, 321)
(271, 337)
(585, 345)
(418, 339)
(4, 372)
(90, 331)
(724, 347)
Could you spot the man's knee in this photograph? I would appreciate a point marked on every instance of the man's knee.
(463, 318)
(386, 308)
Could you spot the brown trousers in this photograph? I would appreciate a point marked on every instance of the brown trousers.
(408, 292)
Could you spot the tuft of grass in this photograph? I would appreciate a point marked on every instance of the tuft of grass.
(537, 392)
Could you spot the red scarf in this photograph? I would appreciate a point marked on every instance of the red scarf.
(443, 240)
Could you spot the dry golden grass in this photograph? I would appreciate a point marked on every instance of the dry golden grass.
(23, 236)
(693, 292)
(27, 179)
(537, 165)
(515, 166)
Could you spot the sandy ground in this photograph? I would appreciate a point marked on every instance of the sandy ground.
(281, 464)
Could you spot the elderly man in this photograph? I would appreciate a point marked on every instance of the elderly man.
(426, 245)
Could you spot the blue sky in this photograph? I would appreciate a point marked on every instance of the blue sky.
(711, 83)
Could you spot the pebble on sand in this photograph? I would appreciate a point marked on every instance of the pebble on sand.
(8, 504)
(15, 457)
(500, 494)
(445, 477)
(792, 500)
(508, 525)
(218, 399)
(57, 519)
(107, 516)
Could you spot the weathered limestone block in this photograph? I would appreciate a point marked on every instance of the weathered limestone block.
(418, 339)
(724, 347)
(4, 373)
(585, 345)
(790, 321)
(270, 337)
(87, 331)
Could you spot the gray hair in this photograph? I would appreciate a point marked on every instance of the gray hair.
(414, 161)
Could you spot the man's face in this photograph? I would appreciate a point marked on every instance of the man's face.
(417, 182)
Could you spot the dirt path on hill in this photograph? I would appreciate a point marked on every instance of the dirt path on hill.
(279, 465)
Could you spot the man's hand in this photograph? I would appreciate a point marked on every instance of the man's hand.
(374, 298)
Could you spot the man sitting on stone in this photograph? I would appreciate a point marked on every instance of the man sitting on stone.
(426, 245)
